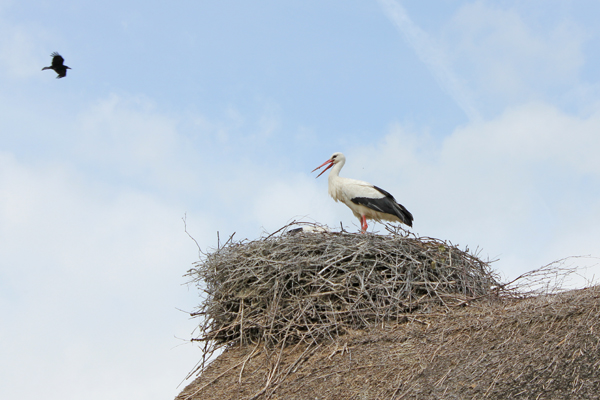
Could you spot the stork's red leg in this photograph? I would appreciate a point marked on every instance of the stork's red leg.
(363, 223)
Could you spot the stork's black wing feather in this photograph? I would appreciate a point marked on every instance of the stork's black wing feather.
(387, 205)
(383, 192)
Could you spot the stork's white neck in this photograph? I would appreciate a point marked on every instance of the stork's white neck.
(334, 180)
(335, 170)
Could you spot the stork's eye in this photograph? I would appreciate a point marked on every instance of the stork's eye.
(334, 156)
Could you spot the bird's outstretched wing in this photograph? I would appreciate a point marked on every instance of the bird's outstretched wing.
(57, 60)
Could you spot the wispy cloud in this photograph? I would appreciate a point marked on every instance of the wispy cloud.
(432, 56)
(509, 56)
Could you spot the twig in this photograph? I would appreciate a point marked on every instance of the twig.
(200, 253)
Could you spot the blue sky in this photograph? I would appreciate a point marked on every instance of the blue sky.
(481, 117)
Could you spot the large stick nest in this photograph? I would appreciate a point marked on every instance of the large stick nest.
(314, 286)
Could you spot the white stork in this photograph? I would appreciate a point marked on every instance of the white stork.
(365, 200)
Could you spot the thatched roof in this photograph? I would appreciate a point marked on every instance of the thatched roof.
(402, 318)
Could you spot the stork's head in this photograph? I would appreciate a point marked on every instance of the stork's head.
(336, 158)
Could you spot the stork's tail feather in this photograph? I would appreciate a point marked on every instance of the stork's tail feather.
(399, 210)
(404, 215)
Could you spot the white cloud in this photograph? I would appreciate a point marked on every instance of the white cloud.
(299, 197)
(532, 134)
(90, 283)
(128, 134)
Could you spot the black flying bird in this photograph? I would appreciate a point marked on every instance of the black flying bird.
(58, 65)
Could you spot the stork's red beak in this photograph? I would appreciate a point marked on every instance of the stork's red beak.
(330, 162)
